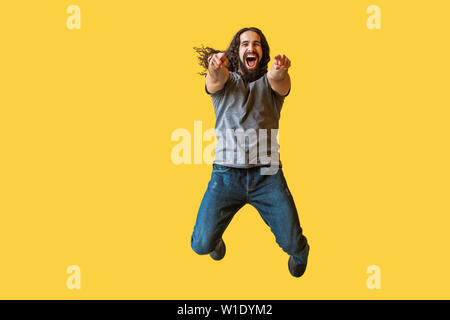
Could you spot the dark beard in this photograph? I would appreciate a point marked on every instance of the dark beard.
(250, 76)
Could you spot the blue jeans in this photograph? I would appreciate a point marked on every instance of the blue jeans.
(229, 190)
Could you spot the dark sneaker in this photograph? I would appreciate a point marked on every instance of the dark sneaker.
(219, 252)
(297, 270)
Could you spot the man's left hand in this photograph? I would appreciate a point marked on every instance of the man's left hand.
(278, 75)
(281, 62)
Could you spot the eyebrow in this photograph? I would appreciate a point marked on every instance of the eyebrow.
(248, 41)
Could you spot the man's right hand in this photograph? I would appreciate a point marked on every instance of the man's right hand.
(217, 61)
(218, 74)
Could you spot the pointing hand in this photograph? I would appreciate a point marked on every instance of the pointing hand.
(217, 61)
(281, 62)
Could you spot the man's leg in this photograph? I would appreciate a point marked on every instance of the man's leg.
(271, 197)
(221, 201)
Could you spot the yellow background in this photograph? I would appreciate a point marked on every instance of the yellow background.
(86, 176)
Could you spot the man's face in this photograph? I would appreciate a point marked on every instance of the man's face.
(250, 53)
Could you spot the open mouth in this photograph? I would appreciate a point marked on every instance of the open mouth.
(251, 61)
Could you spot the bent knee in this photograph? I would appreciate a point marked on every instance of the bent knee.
(201, 247)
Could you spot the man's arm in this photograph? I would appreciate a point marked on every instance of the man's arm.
(278, 75)
(218, 74)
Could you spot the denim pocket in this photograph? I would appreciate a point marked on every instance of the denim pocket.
(219, 168)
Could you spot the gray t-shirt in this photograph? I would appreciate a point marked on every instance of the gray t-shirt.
(247, 116)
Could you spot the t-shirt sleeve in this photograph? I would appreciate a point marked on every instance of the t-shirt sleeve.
(221, 91)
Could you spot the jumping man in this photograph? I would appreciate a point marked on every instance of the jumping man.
(247, 101)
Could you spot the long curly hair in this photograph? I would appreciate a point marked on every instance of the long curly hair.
(232, 53)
